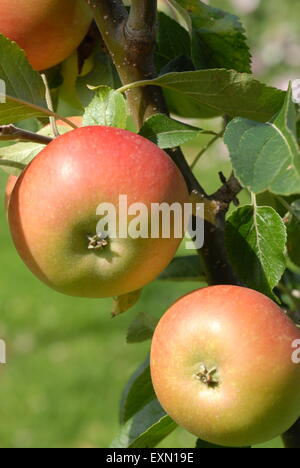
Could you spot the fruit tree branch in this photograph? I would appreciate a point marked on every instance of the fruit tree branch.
(142, 18)
(10, 132)
(131, 49)
(218, 268)
(110, 13)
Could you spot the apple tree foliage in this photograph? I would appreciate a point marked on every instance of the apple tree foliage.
(203, 70)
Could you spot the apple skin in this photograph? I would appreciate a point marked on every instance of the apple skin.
(48, 30)
(53, 206)
(11, 182)
(248, 339)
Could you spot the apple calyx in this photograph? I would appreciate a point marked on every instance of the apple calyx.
(207, 376)
(97, 242)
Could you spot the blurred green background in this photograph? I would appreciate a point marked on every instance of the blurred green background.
(67, 359)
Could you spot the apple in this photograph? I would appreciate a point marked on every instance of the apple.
(221, 365)
(48, 30)
(52, 211)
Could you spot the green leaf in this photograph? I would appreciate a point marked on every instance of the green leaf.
(137, 393)
(219, 40)
(255, 240)
(172, 41)
(168, 133)
(25, 91)
(108, 107)
(266, 156)
(146, 428)
(125, 302)
(180, 15)
(185, 268)
(222, 91)
(141, 328)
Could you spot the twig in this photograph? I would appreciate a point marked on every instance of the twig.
(217, 265)
(10, 132)
(229, 190)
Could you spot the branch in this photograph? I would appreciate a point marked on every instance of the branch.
(229, 190)
(142, 19)
(110, 13)
(218, 268)
(10, 132)
(291, 438)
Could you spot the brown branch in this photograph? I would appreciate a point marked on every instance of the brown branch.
(142, 19)
(217, 265)
(131, 50)
(10, 132)
(112, 12)
(229, 190)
